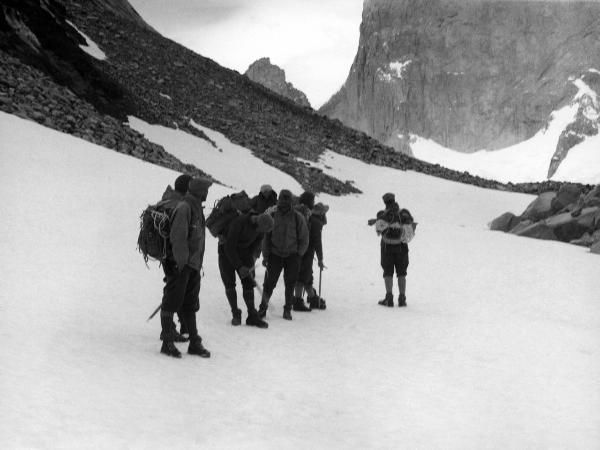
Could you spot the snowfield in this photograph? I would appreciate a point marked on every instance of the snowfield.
(499, 347)
(527, 161)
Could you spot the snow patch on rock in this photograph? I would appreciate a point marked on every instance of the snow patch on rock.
(91, 48)
(393, 71)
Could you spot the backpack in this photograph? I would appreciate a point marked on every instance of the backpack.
(225, 210)
(409, 226)
(305, 212)
(396, 226)
(155, 226)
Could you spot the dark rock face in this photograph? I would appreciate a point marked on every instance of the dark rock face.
(468, 74)
(273, 77)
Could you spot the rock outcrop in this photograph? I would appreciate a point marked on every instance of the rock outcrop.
(569, 215)
(273, 77)
(474, 74)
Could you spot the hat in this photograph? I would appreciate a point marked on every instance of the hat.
(182, 182)
(285, 196)
(388, 198)
(320, 209)
(307, 198)
(266, 188)
(264, 222)
(199, 186)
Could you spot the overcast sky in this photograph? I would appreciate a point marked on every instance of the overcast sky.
(314, 41)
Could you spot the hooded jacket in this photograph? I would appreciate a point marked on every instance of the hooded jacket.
(243, 236)
(188, 234)
(289, 235)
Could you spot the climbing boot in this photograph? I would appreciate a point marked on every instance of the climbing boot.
(388, 300)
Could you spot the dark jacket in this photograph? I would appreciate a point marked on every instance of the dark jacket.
(289, 235)
(260, 203)
(188, 234)
(242, 237)
(315, 243)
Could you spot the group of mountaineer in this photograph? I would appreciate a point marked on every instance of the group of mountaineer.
(285, 229)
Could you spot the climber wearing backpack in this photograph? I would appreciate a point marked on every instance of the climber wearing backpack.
(169, 201)
(317, 221)
(396, 228)
(182, 268)
(238, 252)
(282, 249)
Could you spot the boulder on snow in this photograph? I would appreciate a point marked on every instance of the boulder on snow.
(505, 222)
(541, 207)
(567, 194)
(520, 226)
(568, 228)
(593, 197)
(537, 230)
(587, 240)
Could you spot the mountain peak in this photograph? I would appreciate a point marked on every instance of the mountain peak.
(273, 77)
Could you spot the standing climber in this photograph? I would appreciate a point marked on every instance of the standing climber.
(396, 228)
(283, 247)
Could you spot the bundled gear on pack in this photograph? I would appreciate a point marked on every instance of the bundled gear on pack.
(155, 226)
(395, 225)
(225, 210)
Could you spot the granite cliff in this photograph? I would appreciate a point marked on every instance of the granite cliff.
(475, 74)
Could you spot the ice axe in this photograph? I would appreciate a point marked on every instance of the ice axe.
(320, 277)
(154, 313)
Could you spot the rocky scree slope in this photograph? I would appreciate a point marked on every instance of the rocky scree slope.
(52, 81)
(162, 82)
(272, 77)
(469, 74)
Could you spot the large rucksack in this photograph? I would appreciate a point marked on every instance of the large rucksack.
(155, 226)
(225, 210)
(395, 226)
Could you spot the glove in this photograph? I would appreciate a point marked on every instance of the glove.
(244, 272)
(179, 267)
(321, 265)
(370, 222)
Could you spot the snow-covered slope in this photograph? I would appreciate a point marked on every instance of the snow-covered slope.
(530, 160)
(498, 347)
